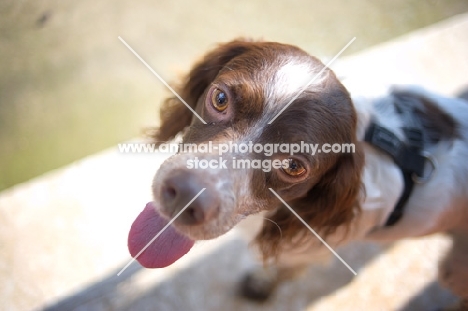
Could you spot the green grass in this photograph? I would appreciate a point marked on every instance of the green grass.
(69, 88)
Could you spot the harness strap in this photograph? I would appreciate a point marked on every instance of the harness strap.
(407, 155)
(399, 208)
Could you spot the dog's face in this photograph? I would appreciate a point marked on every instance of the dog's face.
(238, 89)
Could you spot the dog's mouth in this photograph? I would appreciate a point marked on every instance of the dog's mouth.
(167, 248)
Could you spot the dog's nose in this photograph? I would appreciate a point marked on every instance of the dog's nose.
(179, 189)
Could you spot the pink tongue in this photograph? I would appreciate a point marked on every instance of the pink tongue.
(165, 250)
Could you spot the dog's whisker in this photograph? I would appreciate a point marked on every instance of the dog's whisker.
(274, 222)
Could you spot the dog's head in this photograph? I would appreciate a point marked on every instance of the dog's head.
(261, 96)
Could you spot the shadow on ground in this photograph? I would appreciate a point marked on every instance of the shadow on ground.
(431, 296)
(211, 283)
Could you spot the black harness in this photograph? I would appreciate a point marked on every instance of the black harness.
(408, 155)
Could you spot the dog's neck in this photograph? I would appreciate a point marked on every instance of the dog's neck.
(382, 179)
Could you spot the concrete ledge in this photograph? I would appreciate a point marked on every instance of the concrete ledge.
(63, 235)
(434, 57)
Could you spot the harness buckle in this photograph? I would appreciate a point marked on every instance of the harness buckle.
(434, 165)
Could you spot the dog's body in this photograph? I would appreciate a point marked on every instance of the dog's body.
(238, 89)
(433, 206)
(438, 205)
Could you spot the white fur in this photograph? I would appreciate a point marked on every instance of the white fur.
(292, 77)
(296, 74)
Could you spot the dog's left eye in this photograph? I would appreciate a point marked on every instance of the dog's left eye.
(294, 168)
(219, 100)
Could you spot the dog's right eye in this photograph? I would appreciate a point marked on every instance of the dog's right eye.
(219, 100)
(294, 168)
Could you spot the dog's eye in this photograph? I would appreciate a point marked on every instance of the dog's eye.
(219, 100)
(294, 168)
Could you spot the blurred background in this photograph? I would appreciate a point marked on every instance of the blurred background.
(69, 88)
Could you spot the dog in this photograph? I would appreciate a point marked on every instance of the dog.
(406, 176)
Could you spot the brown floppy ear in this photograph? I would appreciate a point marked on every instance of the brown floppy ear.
(174, 115)
(332, 202)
